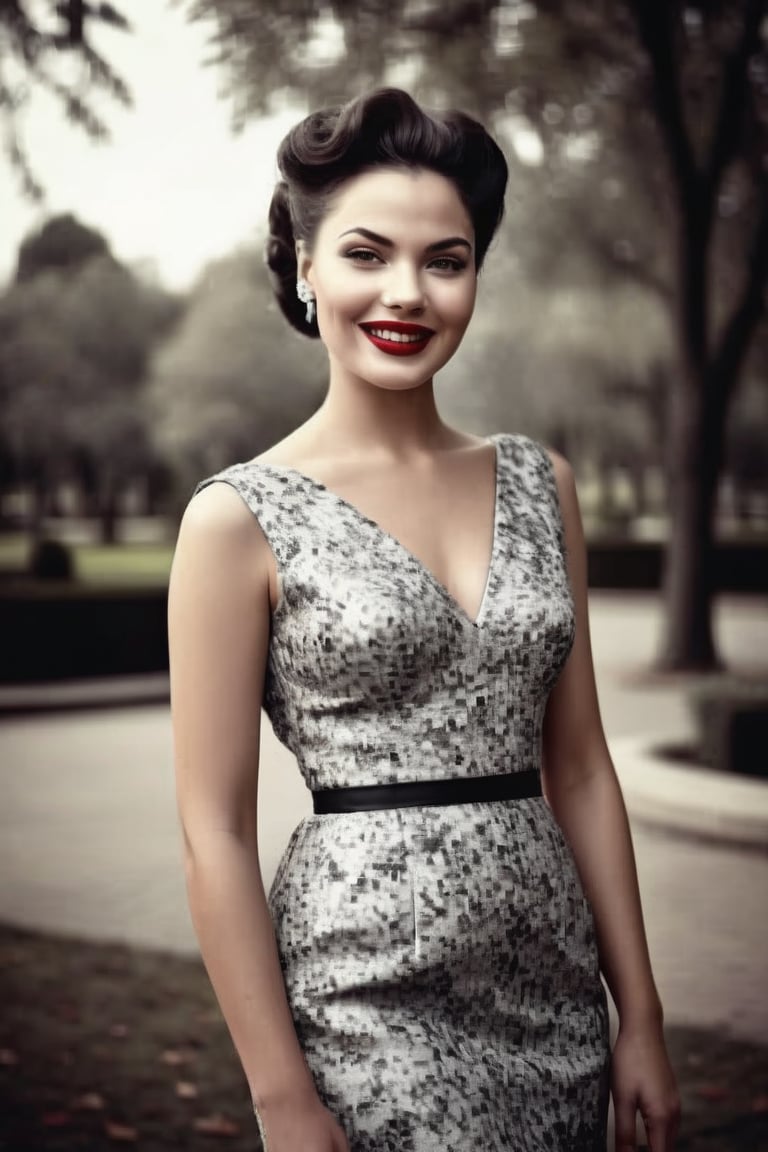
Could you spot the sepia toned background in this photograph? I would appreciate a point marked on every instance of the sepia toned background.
(621, 318)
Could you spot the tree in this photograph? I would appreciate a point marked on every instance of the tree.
(232, 378)
(38, 52)
(74, 343)
(62, 243)
(710, 358)
(670, 99)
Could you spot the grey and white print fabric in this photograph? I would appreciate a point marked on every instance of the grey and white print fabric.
(440, 961)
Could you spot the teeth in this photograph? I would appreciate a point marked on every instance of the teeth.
(397, 337)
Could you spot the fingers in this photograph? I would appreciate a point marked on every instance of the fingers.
(662, 1130)
(624, 1122)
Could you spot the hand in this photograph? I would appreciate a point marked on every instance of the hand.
(299, 1124)
(642, 1080)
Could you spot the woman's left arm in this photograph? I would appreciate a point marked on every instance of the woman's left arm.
(582, 789)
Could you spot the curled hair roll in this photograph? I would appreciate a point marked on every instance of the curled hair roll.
(280, 258)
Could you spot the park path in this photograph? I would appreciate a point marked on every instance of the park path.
(90, 844)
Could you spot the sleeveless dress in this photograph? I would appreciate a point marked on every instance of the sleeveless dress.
(440, 962)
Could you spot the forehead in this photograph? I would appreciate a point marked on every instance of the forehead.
(398, 201)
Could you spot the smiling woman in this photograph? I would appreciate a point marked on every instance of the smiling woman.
(407, 288)
(408, 603)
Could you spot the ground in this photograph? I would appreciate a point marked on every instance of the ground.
(107, 1044)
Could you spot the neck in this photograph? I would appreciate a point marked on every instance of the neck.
(365, 418)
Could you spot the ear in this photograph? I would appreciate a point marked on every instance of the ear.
(303, 262)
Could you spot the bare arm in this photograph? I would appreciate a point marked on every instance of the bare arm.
(582, 789)
(218, 628)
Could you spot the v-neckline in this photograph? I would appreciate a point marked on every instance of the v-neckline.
(398, 544)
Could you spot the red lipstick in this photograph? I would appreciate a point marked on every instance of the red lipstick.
(413, 337)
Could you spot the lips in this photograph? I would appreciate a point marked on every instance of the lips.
(397, 338)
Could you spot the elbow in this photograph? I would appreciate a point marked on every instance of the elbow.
(578, 769)
(208, 844)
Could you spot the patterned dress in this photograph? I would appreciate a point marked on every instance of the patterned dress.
(440, 962)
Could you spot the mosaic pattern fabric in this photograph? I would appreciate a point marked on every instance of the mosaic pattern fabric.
(440, 962)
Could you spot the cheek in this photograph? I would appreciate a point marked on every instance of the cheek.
(456, 304)
(342, 294)
(337, 318)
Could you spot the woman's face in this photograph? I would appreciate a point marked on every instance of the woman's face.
(393, 271)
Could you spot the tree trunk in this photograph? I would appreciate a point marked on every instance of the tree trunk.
(36, 519)
(692, 470)
(108, 510)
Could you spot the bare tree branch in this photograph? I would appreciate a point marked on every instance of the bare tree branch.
(35, 46)
(748, 309)
(725, 143)
(655, 24)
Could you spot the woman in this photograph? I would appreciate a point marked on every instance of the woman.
(409, 604)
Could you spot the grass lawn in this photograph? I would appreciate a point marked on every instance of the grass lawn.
(124, 564)
(103, 1045)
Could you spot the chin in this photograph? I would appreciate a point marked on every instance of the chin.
(400, 385)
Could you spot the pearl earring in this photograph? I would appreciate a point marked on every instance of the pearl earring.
(307, 296)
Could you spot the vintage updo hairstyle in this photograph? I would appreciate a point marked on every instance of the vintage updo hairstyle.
(385, 127)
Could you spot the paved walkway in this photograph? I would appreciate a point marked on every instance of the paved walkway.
(90, 844)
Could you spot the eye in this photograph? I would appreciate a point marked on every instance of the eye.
(362, 255)
(448, 264)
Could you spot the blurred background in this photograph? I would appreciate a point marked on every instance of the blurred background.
(621, 318)
(622, 311)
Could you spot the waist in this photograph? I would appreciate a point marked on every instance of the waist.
(415, 793)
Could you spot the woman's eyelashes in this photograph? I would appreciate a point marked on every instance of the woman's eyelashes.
(438, 263)
(363, 255)
(448, 264)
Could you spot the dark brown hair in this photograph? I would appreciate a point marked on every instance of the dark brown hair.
(385, 128)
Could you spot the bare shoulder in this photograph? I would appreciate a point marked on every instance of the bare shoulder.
(570, 512)
(561, 467)
(220, 538)
(564, 479)
(217, 508)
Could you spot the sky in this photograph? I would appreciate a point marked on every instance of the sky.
(174, 187)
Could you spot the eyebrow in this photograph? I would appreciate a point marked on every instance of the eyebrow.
(438, 246)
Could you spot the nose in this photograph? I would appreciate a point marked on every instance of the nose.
(403, 288)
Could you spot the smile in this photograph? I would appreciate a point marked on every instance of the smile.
(398, 339)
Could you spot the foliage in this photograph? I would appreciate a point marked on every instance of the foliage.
(233, 377)
(47, 45)
(62, 242)
(51, 560)
(74, 343)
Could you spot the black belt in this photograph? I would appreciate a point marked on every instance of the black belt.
(464, 790)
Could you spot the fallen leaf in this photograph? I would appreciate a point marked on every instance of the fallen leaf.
(57, 1119)
(88, 1102)
(216, 1125)
(713, 1092)
(119, 1030)
(186, 1089)
(120, 1132)
(8, 1057)
(12, 956)
(209, 1016)
(175, 1056)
